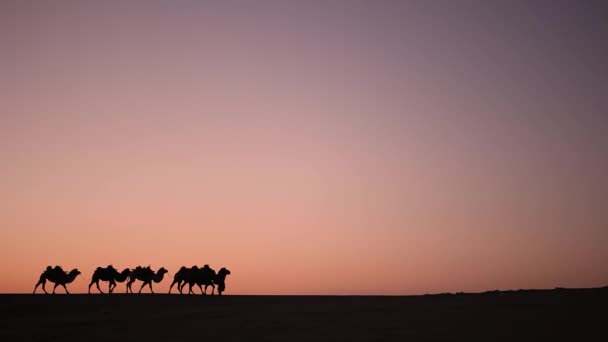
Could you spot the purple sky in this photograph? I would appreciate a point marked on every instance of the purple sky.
(446, 145)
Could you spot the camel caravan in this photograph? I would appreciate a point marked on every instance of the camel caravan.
(190, 276)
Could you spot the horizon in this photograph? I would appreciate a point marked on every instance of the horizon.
(104, 284)
(318, 148)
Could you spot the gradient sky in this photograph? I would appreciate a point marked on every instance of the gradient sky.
(313, 147)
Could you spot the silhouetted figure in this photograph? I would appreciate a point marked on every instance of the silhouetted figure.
(199, 277)
(220, 280)
(58, 276)
(180, 278)
(146, 275)
(109, 274)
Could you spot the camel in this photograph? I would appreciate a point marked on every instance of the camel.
(147, 276)
(220, 280)
(200, 276)
(181, 277)
(109, 274)
(58, 276)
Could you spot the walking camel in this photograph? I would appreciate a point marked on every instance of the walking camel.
(147, 276)
(193, 276)
(58, 276)
(109, 274)
(181, 277)
(200, 276)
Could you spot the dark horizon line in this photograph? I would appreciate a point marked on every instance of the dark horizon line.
(555, 289)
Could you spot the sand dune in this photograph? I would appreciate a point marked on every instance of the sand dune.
(507, 316)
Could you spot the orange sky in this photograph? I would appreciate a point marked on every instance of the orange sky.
(384, 148)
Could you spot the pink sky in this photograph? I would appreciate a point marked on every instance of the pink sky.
(311, 148)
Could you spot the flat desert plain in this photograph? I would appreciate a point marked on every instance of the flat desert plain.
(541, 315)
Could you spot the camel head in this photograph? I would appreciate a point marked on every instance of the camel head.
(223, 271)
(72, 275)
(158, 277)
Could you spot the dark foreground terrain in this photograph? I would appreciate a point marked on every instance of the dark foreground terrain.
(505, 316)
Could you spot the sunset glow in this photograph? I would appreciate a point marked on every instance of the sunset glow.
(377, 147)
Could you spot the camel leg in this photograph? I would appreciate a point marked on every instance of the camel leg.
(205, 293)
(171, 287)
(149, 284)
(65, 288)
(201, 287)
(97, 283)
(112, 286)
(36, 287)
(55, 287)
(41, 281)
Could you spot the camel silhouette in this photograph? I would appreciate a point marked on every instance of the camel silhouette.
(109, 274)
(58, 276)
(147, 276)
(220, 280)
(199, 276)
(180, 277)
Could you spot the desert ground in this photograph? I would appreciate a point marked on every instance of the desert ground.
(493, 316)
